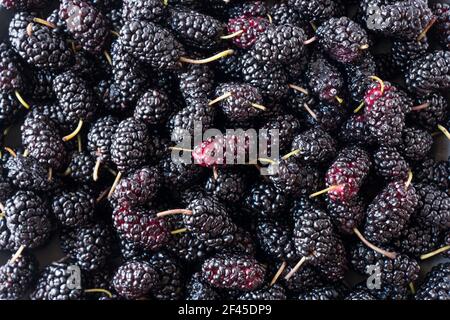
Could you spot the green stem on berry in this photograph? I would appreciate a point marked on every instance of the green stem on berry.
(26, 153)
(17, 254)
(313, 26)
(409, 180)
(115, 183)
(412, 288)
(115, 33)
(80, 145)
(173, 212)
(44, 22)
(96, 169)
(330, 188)
(218, 56)
(108, 57)
(296, 268)
(50, 174)
(428, 26)
(444, 131)
(75, 132)
(220, 98)
(270, 161)
(361, 105)
(364, 47)
(278, 273)
(298, 88)
(390, 255)
(381, 82)
(258, 106)
(421, 106)
(2, 211)
(99, 290)
(232, 35)
(178, 231)
(181, 149)
(166, 2)
(11, 152)
(434, 253)
(309, 41)
(309, 110)
(339, 99)
(291, 154)
(67, 172)
(22, 100)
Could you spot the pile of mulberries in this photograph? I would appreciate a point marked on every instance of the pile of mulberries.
(234, 150)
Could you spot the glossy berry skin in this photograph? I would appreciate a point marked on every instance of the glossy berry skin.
(390, 164)
(129, 145)
(210, 222)
(153, 108)
(52, 284)
(151, 44)
(342, 39)
(22, 4)
(195, 29)
(139, 188)
(433, 209)
(281, 44)
(313, 235)
(86, 24)
(275, 292)
(27, 219)
(324, 80)
(10, 76)
(346, 215)
(100, 137)
(429, 73)
(233, 272)
(134, 279)
(141, 227)
(73, 208)
(390, 212)
(436, 285)
(197, 289)
(442, 27)
(264, 200)
(253, 27)
(17, 277)
(151, 10)
(348, 172)
(316, 146)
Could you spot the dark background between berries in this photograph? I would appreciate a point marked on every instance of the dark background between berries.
(52, 251)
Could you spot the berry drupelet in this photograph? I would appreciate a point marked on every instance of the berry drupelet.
(129, 146)
(197, 289)
(429, 73)
(430, 171)
(390, 164)
(153, 108)
(151, 44)
(347, 173)
(417, 143)
(194, 28)
(281, 44)
(442, 27)
(403, 52)
(342, 39)
(38, 45)
(436, 285)
(270, 293)
(316, 10)
(134, 279)
(100, 137)
(233, 272)
(10, 74)
(324, 80)
(75, 98)
(85, 23)
(52, 283)
(389, 212)
(23, 4)
(430, 111)
(73, 208)
(417, 240)
(250, 28)
(283, 13)
(346, 216)
(275, 240)
(26, 173)
(89, 246)
(433, 209)
(229, 185)
(170, 274)
(398, 272)
(243, 102)
(316, 146)
(263, 200)
(150, 10)
(252, 8)
(139, 188)
(18, 276)
(141, 227)
(320, 294)
(81, 166)
(28, 219)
